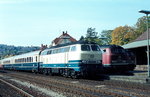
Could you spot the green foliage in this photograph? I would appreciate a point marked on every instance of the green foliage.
(92, 36)
(7, 51)
(91, 33)
(106, 36)
(141, 25)
(81, 38)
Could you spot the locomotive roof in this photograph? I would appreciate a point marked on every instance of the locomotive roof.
(72, 43)
(110, 46)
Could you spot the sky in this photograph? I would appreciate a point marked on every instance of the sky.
(36, 22)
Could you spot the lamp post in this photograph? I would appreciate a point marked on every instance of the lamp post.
(147, 13)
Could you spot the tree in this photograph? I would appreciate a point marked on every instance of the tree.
(92, 36)
(123, 35)
(81, 38)
(141, 25)
(106, 36)
(91, 33)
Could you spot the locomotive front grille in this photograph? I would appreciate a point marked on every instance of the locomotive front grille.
(88, 56)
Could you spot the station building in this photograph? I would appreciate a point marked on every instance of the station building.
(139, 48)
(63, 39)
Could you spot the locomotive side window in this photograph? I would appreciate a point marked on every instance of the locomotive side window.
(73, 48)
(95, 48)
(118, 50)
(85, 47)
(67, 49)
(49, 52)
(44, 53)
(62, 50)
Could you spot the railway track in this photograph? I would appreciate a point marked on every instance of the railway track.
(86, 88)
(20, 91)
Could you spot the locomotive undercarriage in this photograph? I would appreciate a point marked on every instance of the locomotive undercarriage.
(86, 70)
(119, 68)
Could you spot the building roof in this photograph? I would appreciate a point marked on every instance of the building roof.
(143, 36)
(135, 44)
(141, 41)
(64, 36)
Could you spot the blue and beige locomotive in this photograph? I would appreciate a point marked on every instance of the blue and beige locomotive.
(70, 60)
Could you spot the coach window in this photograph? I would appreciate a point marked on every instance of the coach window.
(36, 58)
(95, 48)
(23, 59)
(85, 47)
(73, 48)
(31, 59)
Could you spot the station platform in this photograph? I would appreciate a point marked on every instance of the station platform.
(138, 76)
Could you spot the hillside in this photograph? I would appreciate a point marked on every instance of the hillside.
(8, 50)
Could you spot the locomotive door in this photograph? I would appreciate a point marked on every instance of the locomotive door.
(66, 57)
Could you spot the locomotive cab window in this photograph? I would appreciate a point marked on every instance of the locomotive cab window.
(95, 48)
(44, 53)
(85, 47)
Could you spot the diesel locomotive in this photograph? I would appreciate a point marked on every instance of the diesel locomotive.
(115, 58)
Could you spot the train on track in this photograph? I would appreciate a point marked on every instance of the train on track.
(116, 59)
(73, 60)
(70, 60)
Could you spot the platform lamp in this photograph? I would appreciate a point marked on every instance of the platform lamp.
(147, 13)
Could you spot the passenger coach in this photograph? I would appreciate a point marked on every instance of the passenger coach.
(26, 62)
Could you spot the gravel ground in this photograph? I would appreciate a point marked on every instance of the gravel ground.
(40, 89)
(55, 86)
(7, 91)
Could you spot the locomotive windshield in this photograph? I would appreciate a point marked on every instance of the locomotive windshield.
(95, 48)
(117, 50)
(87, 48)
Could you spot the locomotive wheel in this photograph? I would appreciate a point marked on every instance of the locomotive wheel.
(67, 73)
(45, 71)
(50, 72)
(73, 74)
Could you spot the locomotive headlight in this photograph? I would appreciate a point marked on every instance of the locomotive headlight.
(98, 61)
(84, 61)
(124, 61)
